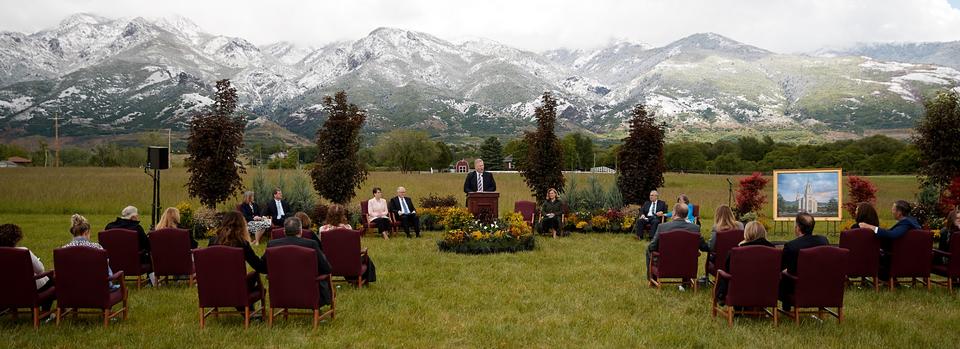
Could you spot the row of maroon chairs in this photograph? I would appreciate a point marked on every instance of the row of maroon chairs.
(169, 254)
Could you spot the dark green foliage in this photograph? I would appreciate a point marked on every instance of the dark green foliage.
(492, 154)
(682, 157)
(484, 247)
(641, 162)
(214, 146)
(443, 156)
(577, 152)
(542, 166)
(433, 200)
(406, 150)
(518, 149)
(338, 171)
(938, 138)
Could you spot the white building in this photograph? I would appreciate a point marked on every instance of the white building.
(806, 202)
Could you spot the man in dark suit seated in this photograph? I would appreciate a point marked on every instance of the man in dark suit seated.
(402, 207)
(651, 212)
(479, 180)
(277, 209)
(791, 251)
(901, 212)
(679, 222)
(292, 228)
(130, 220)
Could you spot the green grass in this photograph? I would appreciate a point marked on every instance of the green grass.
(582, 291)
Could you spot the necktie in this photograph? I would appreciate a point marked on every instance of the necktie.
(479, 181)
(403, 206)
(653, 206)
(279, 210)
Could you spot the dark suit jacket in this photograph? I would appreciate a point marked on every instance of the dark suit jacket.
(128, 224)
(791, 250)
(249, 212)
(661, 207)
(271, 210)
(394, 205)
(680, 224)
(902, 226)
(323, 266)
(470, 184)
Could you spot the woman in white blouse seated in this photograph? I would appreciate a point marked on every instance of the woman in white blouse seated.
(256, 224)
(377, 213)
(10, 236)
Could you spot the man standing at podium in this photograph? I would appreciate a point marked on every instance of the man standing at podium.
(479, 180)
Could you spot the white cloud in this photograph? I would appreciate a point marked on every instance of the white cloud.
(783, 26)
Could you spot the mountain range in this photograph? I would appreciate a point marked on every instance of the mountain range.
(118, 75)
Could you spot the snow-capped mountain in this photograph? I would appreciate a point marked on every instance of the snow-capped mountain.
(109, 74)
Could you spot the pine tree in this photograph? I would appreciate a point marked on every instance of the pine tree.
(640, 159)
(542, 166)
(492, 154)
(338, 171)
(214, 145)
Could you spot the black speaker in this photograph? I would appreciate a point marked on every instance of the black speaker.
(158, 158)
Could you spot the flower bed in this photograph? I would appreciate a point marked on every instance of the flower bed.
(608, 221)
(509, 234)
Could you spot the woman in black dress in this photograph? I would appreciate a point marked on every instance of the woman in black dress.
(865, 213)
(551, 212)
(233, 232)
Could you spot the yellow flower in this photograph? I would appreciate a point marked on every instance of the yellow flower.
(581, 225)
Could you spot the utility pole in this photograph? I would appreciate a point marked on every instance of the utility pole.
(56, 139)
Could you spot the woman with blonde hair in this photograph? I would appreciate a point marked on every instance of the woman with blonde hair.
(256, 224)
(171, 220)
(723, 220)
(754, 234)
(551, 212)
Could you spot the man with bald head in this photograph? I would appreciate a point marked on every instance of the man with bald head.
(401, 207)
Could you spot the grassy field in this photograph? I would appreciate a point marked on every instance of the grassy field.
(586, 290)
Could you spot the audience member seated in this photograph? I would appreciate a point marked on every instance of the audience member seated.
(10, 236)
(293, 228)
(337, 219)
(723, 221)
(233, 232)
(865, 213)
(171, 220)
(378, 213)
(80, 229)
(679, 222)
(950, 226)
(277, 209)
(130, 220)
(402, 207)
(307, 224)
(791, 251)
(256, 224)
(551, 213)
(901, 212)
(683, 199)
(753, 235)
(651, 212)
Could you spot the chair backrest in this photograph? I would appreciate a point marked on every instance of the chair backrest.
(19, 288)
(726, 240)
(277, 233)
(342, 249)
(526, 208)
(293, 277)
(239, 208)
(953, 265)
(756, 276)
(864, 256)
(363, 208)
(912, 255)
(81, 277)
(221, 276)
(170, 251)
(679, 254)
(123, 249)
(696, 211)
(308, 234)
(820, 279)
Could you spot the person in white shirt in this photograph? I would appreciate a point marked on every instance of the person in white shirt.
(403, 210)
(277, 209)
(378, 213)
(10, 236)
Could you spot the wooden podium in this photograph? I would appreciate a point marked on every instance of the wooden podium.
(483, 205)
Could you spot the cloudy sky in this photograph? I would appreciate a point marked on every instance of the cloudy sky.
(779, 25)
(824, 185)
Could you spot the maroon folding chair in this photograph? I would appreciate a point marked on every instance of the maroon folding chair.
(725, 241)
(528, 209)
(294, 283)
(223, 282)
(754, 280)
(911, 256)
(364, 214)
(123, 250)
(347, 259)
(951, 268)
(20, 287)
(308, 234)
(83, 283)
(863, 260)
(819, 283)
(170, 252)
(277, 233)
(677, 258)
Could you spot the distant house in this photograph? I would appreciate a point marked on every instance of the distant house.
(19, 160)
(508, 162)
(462, 166)
(280, 155)
(602, 169)
(5, 164)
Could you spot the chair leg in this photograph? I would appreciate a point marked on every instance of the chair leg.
(927, 281)
(776, 317)
(796, 315)
(14, 312)
(106, 318)
(59, 315)
(876, 283)
(730, 316)
(316, 318)
(125, 307)
(36, 318)
(246, 317)
(839, 315)
(270, 317)
(201, 318)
